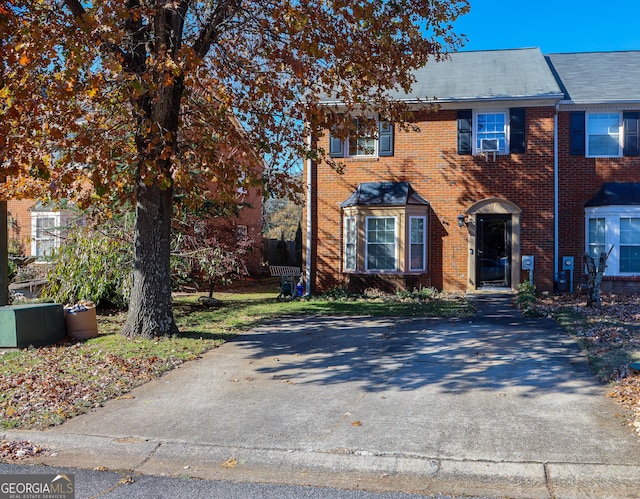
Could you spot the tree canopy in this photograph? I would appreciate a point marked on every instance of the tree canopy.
(167, 102)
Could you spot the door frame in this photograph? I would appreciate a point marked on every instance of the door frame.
(492, 206)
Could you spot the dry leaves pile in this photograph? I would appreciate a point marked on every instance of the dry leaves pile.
(610, 336)
(62, 381)
(15, 451)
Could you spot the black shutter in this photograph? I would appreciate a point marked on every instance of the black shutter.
(385, 138)
(517, 139)
(577, 133)
(631, 125)
(336, 147)
(465, 128)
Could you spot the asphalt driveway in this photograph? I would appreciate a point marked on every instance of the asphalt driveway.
(496, 404)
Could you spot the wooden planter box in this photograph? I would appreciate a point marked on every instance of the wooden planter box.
(34, 324)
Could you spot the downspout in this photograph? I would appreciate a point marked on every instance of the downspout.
(309, 192)
(555, 195)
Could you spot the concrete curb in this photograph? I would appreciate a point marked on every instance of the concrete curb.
(349, 470)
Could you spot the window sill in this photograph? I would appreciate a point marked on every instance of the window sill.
(385, 272)
(356, 159)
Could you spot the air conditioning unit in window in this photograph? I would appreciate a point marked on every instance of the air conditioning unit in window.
(489, 145)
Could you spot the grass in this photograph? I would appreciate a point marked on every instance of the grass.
(41, 387)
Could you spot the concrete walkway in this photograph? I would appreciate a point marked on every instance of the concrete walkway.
(496, 405)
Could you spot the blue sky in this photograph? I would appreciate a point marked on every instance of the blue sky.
(554, 26)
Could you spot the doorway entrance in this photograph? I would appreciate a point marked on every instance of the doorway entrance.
(493, 250)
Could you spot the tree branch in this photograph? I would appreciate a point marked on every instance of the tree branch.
(224, 11)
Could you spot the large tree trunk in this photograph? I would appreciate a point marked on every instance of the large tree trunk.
(150, 310)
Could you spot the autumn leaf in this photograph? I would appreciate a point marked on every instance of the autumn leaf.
(230, 463)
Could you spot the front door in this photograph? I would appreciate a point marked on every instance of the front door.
(493, 240)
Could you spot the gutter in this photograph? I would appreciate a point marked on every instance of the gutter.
(309, 192)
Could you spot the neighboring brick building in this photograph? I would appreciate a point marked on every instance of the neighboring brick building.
(461, 203)
(37, 230)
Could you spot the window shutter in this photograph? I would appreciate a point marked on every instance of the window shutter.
(517, 139)
(385, 138)
(465, 128)
(577, 127)
(336, 147)
(631, 125)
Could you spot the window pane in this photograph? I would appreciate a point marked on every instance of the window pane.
(491, 126)
(596, 231)
(361, 144)
(596, 240)
(630, 245)
(350, 244)
(417, 244)
(629, 258)
(381, 243)
(603, 132)
(630, 231)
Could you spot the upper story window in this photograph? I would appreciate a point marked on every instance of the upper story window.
(491, 132)
(500, 131)
(361, 143)
(603, 135)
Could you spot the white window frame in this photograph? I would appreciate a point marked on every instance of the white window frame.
(395, 244)
(350, 223)
(53, 234)
(374, 137)
(476, 133)
(612, 216)
(588, 134)
(411, 243)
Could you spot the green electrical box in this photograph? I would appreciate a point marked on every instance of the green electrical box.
(34, 324)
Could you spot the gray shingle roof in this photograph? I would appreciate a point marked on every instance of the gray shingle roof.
(484, 75)
(616, 194)
(487, 74)
(384, 194)
(598, 77)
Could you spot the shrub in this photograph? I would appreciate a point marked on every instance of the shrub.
(526, 295)
(92, 265)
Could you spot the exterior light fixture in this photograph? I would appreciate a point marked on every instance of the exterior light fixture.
(461, 220)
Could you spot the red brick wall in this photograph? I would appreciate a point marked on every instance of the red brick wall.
(428, 159)
(579, 180)
(19, 224)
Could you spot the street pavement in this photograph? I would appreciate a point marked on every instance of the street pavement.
(492, 405)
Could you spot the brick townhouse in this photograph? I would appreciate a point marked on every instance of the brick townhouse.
(498, 185)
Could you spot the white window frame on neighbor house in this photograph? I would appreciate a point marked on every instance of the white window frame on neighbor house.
(369, 244)
(604, 128)
(490, 130)
(44, 240)
(350, 244)
(616, 235)
(354, 141)
(418, 243)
